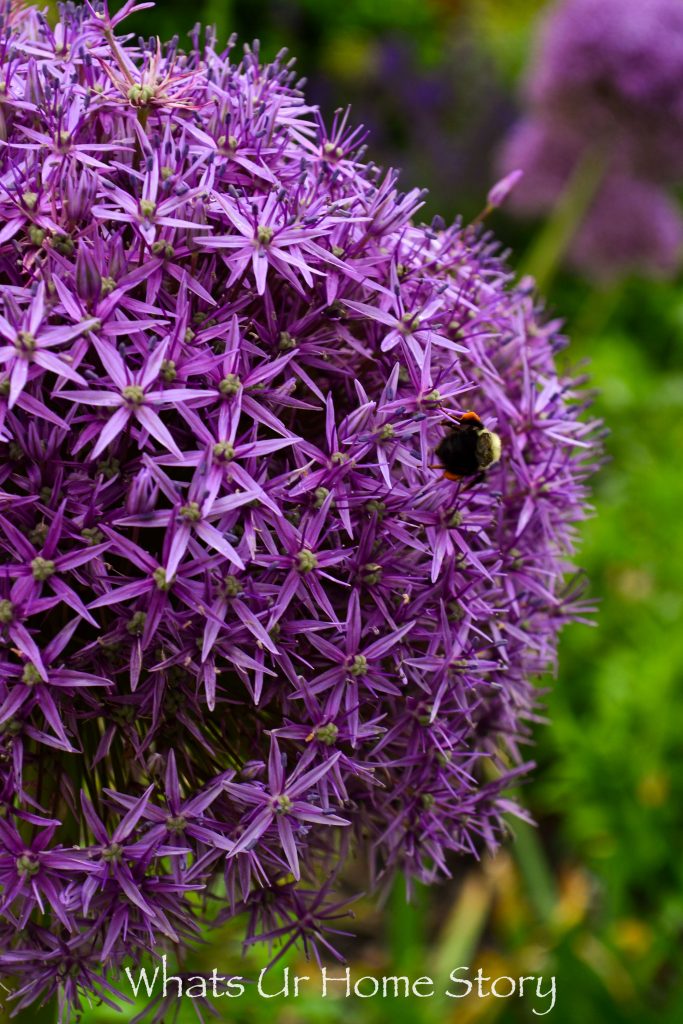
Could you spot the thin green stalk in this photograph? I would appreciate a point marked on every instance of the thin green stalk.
(406, 924)
(529, 854)
(597, 311)
(406, 945)
(462, 931)
(559, 230)
(528, 851)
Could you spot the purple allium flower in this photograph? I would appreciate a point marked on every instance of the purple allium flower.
(632, 225)
(613, 70)
(607, 84)
(246, 627)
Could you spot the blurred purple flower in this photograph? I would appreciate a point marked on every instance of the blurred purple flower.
(246, 628)
(613, 71)
(607, 84)
(632, 226)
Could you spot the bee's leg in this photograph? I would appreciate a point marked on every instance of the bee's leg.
(446, 475)
(452, 415)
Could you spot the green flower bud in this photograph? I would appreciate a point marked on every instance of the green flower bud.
(283, 804)
(136, 624)
(306, 561)
(43, 568)
(192, 512)
(134, 394)
(230, 385)
(359, 665)
(327, 734)
(31, 676)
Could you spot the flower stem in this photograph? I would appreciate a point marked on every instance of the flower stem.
(559, 230)
(597, 311)
(535, 870)
(462, 931)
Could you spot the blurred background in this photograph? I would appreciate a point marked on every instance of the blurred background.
(594, 894)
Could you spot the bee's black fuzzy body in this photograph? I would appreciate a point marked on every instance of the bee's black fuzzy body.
(468, 449)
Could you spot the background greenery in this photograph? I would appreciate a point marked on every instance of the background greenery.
(594, 895)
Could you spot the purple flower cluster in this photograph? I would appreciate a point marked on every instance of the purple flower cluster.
(245, 627)
(607, 83)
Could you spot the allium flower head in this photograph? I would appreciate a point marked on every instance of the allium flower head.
(606, 84)
(613, 69)
(633, 226)
(245, 626)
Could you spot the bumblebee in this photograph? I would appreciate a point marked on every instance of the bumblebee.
(468, 449)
